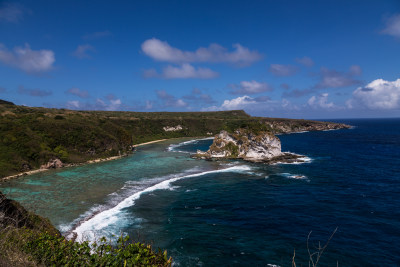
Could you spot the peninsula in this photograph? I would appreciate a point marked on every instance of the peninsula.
(35, 138)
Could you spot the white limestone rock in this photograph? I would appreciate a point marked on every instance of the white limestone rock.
(244, 144)
(172, 128)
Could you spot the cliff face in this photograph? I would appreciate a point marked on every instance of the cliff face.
(12, 214)
(293, 126)
(244, 144)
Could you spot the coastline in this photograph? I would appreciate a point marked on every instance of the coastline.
(6, 178)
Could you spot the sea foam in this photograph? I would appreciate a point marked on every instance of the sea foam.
(174, 147)
(87, 229)
(293, 176)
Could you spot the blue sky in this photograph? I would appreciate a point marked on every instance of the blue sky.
(294, 59)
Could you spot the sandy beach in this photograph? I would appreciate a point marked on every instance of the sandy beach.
(78, 164)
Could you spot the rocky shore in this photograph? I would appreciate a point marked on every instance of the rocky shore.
(259, 146)
(285, 126)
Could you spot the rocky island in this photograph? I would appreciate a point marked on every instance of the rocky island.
(258, 144)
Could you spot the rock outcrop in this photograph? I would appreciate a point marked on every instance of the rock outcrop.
(244, 144)
(172, 128)
(279, 126)
(53, 164)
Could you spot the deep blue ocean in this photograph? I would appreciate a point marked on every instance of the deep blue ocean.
(236, 213)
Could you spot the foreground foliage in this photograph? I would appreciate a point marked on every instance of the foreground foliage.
(26, 247)
(51, 250)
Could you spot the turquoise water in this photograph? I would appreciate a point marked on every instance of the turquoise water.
(237, 213)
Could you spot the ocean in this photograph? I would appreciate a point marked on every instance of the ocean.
(236, 213)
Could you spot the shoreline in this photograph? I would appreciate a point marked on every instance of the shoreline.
(18, 175)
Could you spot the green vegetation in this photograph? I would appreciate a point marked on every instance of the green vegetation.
(51, 250)
(27, 239)
(30, 137)
(233, 149)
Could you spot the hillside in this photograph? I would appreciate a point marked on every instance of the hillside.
(31, 137)
(27, 239)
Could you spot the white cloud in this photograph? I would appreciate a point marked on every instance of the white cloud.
(99, 104)
(162, 51)
(258, 105)
(78, 92)
(321, 101)
(114, 104)
(185, 71)
(392, 26)
(26, 59)
(378, 94)
(75, 104)
(282, 70)
(306, 61)
(240, 102)
(170, 100)
(82, 51)
(12, 12)
(250, 87)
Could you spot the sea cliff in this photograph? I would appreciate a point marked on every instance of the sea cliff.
(256, 144)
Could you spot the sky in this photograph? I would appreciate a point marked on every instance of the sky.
(289, 59)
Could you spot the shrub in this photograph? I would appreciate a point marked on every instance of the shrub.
(52, 250)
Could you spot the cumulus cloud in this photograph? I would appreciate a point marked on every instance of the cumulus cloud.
(26, 59)
(250, 87)
(258, 105)
(33, 92)
(321, 101)
(282, 70)
(238, 103)
(184, 71)
(97, 35)
(12, 12)
(78, 92)
(392, 26)
(170, 100)
(378, 94)
(198, 97)
(82, 51)
(162, 51)
(306, 61)
(335, 79)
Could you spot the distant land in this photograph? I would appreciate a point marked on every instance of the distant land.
(34, 138)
